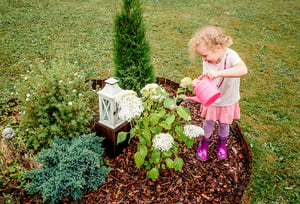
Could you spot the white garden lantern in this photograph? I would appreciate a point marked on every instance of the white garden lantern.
(108, 107)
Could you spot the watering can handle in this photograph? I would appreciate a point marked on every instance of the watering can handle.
(204, 75)
(201, 77)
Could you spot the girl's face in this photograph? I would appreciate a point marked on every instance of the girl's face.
(213, 56)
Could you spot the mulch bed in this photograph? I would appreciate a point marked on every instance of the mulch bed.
(213, 181)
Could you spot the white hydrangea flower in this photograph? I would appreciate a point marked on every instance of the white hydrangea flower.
(163, 141)
(130, 105)
(185, 82)
(192, 131)
(150, 91)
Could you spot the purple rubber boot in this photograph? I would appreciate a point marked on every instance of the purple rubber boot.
(202, 151)
(222, 150)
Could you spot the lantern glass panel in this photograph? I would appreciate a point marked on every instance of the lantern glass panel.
(118, 108)
(106, 108)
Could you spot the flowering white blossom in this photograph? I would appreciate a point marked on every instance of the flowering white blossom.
(75, 74)
(74, 90)
(60, 81)
(28, 95)
(185, 82)
(163, 141)
(27, 99)
(130, 105)
(25, 78)
(70, 82)
(192, 131)
(79, 94)
(150, 91)
(70, 103)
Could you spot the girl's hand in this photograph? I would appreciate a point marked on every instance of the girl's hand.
(195, 82)
(212, 74)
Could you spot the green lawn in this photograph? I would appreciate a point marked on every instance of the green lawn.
(265, 34)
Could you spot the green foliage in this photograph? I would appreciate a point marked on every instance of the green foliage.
(55, 101)
(13, 174)
(265, 34)
(131, 49)
(161, 114)
(69, 168)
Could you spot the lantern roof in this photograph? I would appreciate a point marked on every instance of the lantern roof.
(111, 81)
(111, 89)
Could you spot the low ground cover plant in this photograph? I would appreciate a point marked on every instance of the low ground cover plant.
(69, 167)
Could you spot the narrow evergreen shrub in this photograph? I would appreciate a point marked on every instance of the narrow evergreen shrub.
(69, 168)
(131, 49)
(55, 101)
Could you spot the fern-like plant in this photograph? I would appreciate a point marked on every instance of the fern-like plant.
(69, 168)
(131, 49)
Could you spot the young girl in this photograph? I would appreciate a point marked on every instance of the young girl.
(226, 66)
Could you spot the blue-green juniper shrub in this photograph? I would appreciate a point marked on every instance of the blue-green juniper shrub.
(69, 168)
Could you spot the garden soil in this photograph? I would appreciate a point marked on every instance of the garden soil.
(213, 181)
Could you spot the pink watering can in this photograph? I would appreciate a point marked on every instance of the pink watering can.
(206, 92)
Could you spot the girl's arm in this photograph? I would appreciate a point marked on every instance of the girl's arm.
(239, 70)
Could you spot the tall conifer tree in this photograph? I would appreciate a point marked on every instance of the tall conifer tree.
(132, 58)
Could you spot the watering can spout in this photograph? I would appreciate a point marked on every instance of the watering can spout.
(193, 98)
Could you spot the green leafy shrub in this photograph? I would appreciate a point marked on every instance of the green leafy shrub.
(55, 101)
(69, 168)
(132, 58)
(160, 126)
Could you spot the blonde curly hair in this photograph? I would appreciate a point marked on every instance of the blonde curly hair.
(210, 36)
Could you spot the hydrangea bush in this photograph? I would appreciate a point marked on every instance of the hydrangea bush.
(55, 101)
(160, 125)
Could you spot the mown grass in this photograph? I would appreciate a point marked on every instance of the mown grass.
(265, 34)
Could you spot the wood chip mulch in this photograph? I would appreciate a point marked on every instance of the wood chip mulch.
(213, 181)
